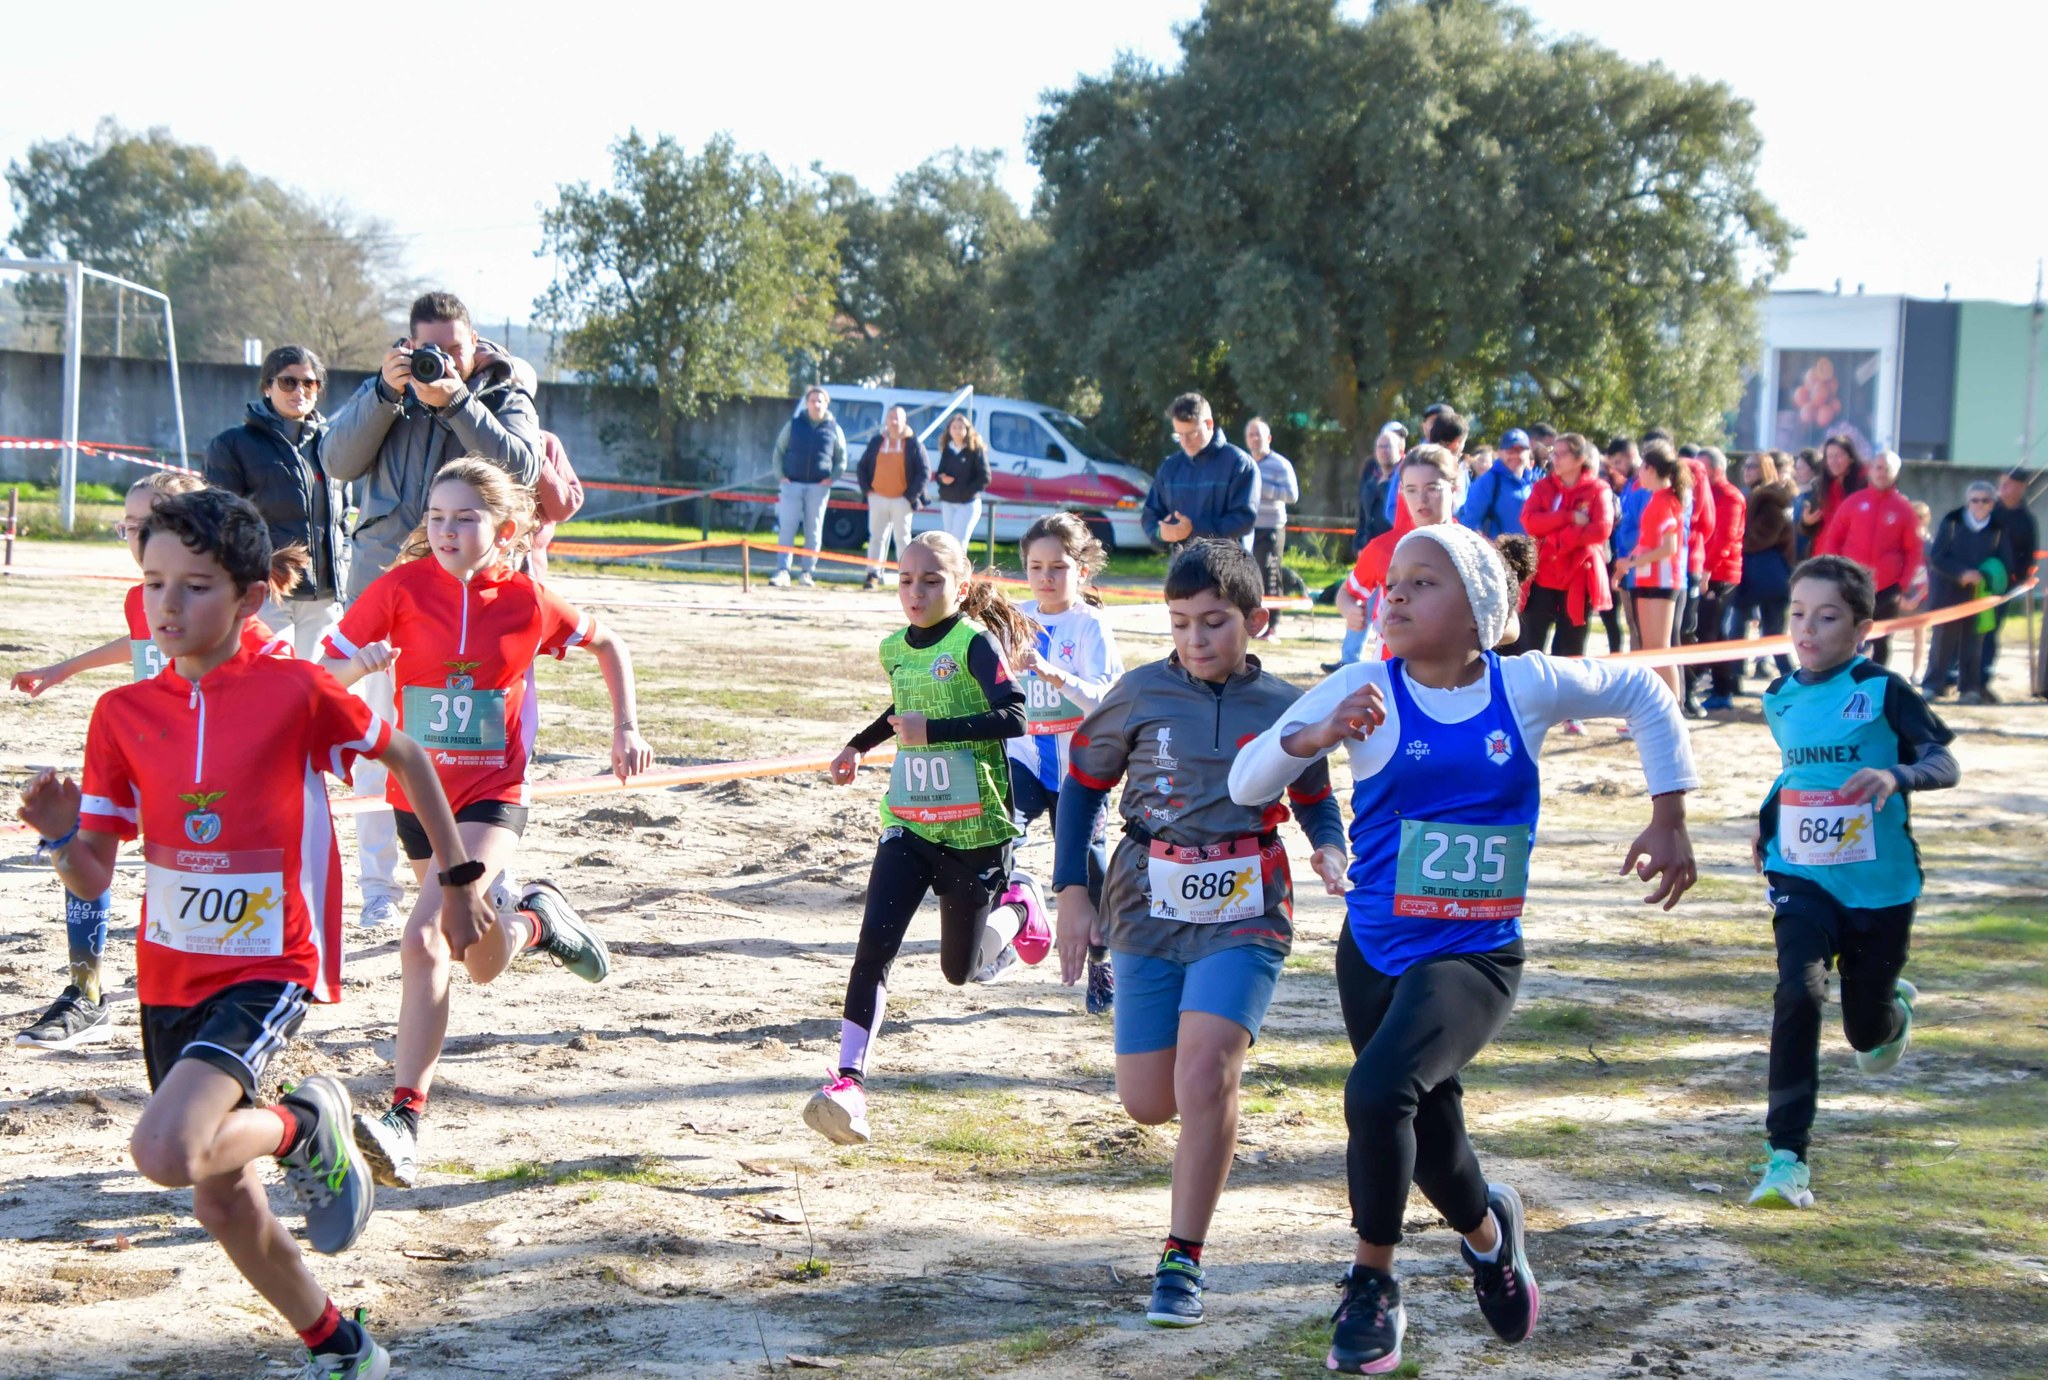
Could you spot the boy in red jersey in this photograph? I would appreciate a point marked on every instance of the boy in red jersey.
(215, 761)
(79, 1015)
(460, 627)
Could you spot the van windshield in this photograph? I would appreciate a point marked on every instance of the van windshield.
(1079, 436)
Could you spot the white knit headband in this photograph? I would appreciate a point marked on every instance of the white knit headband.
(1485, 575)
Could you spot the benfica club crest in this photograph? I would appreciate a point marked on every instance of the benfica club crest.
(202, 822)
(459, 677)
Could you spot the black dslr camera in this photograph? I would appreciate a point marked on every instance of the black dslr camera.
(431, 364)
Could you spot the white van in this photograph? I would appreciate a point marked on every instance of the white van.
(1039, 459)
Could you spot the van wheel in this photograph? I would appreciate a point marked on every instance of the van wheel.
(845, 529)
(1102, 532)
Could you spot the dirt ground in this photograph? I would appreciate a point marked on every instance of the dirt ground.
(619, 1183)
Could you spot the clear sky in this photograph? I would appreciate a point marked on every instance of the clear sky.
(1899, 137)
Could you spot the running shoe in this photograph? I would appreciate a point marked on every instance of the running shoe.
(368, 1361)
(1971, 698)
(1101, 986)
(1034, 936)
(1573, 728)
(839, 1112)
(1886, 1057)
(1624, 731)
(378, 912)
(329, 1179)
(390, 1148)
(874, 580)
(1785, 1184)
(780, 579)
(1003, 962)
(73, 1019)
(807, 580)
(1717, 704)
(564, 936)
(1176, 1292)
(1505, 1286)
(1370, 1323)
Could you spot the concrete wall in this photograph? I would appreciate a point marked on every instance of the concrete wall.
(129, 401)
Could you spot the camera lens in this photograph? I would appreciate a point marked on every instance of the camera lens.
(429, 365)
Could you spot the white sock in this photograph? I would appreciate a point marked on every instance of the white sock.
(1500, 1239)
(999, 929)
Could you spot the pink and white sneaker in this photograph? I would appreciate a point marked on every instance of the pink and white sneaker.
(1034, 936)
(839, 1112)
(1573, 728)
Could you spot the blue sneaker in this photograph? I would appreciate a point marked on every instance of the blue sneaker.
(1717, 704)
(1886, 1057)
(1176, 1292)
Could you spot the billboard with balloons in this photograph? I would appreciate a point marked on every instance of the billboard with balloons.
(1824, 392)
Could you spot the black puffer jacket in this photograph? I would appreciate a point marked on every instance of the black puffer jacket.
(289, 486)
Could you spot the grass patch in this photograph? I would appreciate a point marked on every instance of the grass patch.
(1036, 1342)
(629, 1169)
(1295, 1347)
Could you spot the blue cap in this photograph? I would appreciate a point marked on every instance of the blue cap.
(1515, 437)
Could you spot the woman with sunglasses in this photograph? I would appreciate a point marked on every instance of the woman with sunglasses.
(273, 460)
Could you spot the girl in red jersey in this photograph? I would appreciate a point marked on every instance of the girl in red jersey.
(241, 919)
(460, 625)
(79, 1015)
(1659, 558)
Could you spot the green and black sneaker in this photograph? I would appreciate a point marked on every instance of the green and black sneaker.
(564, 936)
(325, 1173)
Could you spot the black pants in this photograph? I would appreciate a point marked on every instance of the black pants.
(1032, 799)
(1268, 545)
(1550, 608)
(968, 883)
(1887, 607)
(1715, 607)
(1770, 621)
(1815, 930)
(1403, 1102)
(1956, 658)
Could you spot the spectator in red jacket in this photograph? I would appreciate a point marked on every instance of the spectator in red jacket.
(1724, 572)
(1569, 515)
(1841, 474)
(1875, 527)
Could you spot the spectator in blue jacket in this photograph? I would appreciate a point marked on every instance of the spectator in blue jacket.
(1623, 460)
(809, 451)
(1376, 487)
(1208, 488)
(1493, 506)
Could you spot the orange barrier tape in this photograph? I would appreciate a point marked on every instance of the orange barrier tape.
(1704, 653)
(707, 774)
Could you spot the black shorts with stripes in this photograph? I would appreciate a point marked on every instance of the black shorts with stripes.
(236, 1030)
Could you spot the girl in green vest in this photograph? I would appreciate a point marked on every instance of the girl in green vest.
(946, 826)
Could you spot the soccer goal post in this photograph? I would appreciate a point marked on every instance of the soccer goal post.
(74, 275)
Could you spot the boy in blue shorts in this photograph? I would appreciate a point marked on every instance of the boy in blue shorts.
(1835, 840)
(1197, 906)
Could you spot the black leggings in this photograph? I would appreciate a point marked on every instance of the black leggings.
(968, 883)
(1403, 1102)
(1547, 608)
(1869, 946)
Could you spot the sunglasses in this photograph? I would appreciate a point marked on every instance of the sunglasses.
(294, 384)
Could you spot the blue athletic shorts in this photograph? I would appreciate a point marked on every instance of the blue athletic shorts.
(1236, 984)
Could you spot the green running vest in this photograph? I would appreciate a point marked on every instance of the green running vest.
(935, 682)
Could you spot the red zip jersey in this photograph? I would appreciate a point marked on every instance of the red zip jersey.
(463, 650)
(1660, 525)
(222, 781)
(145, 658)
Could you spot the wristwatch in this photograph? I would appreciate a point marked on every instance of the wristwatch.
(462, 874)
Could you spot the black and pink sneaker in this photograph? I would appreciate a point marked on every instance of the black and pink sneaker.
(1505, 1286)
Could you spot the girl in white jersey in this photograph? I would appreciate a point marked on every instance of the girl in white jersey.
(1066, 673)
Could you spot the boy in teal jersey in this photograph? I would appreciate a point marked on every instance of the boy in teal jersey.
(1835, 841)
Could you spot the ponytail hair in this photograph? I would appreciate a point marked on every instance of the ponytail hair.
(504, 499)
(1080, 544)
(980, 597)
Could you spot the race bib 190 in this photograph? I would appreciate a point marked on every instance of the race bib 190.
(145, 658)
(1210, 884)
(1820, 829)
(1461, 871)
(1047, 708)
(455, 720)
(220, 904)
(934, 786)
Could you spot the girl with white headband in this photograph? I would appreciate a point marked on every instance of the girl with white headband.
(1444, 740)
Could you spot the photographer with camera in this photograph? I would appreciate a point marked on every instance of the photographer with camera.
(440, 394)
